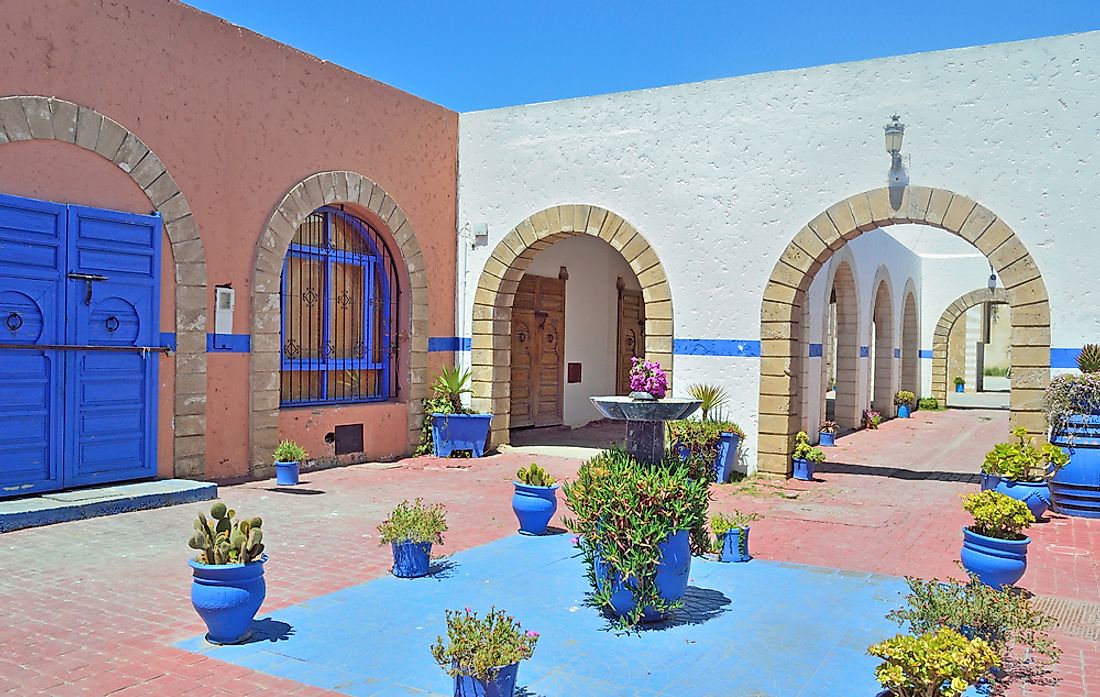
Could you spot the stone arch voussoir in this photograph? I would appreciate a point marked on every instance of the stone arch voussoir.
(942, 331)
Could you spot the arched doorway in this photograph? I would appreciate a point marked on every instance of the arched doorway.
(500, 280)
(818, 241)
(840, 374)
(942, 332)
(910, 341)
(882, 348)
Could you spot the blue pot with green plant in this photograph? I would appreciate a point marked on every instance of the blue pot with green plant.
(1073, 412)
(709, 447)
(1023, 468)
(960, 384)
(804, 458)
(411, 530)
(938, 663)
(731, 535)
(288, 459)
(905, 400)
(535, 499)
(994, 546)
(454, 428)
(826, 437)
(482, 654)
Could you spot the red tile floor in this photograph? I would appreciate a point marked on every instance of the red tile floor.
(92, 607)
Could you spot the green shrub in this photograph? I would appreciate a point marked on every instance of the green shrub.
(289, 451)
(995, 372)
(1023, 461)
(1069, 395)
(929, 404)
(224, 540)
(905, 398)
(943, 663)
(414, 522)
(804, 451)
(625, 509)
(997, 515)
(534, 476)
(701, 438)
(478, 646)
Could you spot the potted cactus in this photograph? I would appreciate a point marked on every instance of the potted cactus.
(410, 531)
(288, 459)
(227, 586)
(731, 535)
(483, 654)
(535, 499)
(804, 457)
(994, 548)
(827, 435)
(905, 400)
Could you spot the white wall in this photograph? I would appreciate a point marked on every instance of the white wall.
(720, 175)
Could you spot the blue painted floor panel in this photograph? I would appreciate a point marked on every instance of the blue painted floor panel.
(757, 629)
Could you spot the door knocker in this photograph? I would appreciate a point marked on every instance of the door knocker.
(112, 324)
(14, 321)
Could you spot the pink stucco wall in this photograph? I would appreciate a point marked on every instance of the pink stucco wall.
(237, 120)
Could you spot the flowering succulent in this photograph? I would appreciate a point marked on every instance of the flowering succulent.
(648, 376)
(478, 647)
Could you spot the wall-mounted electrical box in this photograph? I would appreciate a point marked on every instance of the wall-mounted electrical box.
(223, 317)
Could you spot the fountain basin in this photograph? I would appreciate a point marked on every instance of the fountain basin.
(627, 409)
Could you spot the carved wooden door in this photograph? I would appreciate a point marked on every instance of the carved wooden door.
(538, 352)
(631, 341)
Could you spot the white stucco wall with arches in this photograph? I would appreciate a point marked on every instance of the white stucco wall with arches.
(719, 176)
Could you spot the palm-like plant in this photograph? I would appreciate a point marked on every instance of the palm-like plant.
(1088, 361)
(451, 384)
(713, 398)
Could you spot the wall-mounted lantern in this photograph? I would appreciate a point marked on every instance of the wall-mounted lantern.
(895, 132)
(992, 283)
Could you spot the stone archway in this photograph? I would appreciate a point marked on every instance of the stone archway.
(815, 243)
(51, 118)
(303, 198)
(882, 343)
(492, 309)
(842, 286)
(943, 330)
(910, 340)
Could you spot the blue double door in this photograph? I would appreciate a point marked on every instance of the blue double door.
(79, 313)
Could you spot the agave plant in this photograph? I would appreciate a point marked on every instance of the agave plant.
(1088, 361)
(713, 399)
(451, 384)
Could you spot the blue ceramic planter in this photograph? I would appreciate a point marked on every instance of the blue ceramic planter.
(803, 469)
(1075, 489)
(735, 545)
(534, 506)
(1035, 494)
(286, 473)
(826, 439)
(503, 684)
(989, 481)
(411, 559)
(727, 456)
(960, 388)
(452, 432)
(227, 598)
(672, 577)
(996, 563)
(903, 411)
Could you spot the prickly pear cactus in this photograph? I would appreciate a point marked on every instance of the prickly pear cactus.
(534, 476)
(224, 540)
(1089, 358)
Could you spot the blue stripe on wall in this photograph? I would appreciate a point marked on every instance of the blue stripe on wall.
(816, 350)
(926, 353)
(449, 343)
(1064, 357)
(864, 351)
(228, 343)
(716, 347)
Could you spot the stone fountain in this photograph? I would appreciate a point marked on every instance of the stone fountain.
(645, 421)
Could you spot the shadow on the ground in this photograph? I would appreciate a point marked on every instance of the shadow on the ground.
(441, 568)
(297, 489)
(895, 473)
(525, 692)
(268, 630)
(700, 606)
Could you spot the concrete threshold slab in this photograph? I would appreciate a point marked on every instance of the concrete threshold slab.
(65, 506)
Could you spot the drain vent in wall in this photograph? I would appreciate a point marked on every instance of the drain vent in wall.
(1077, 618)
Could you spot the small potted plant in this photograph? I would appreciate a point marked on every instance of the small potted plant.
(411, 530)
(227, 585)
(1073, 411)
(994, 547)
(904, 400)
(288, 460)
(960, 384)
(826, 438)
(483, 654)
(708, 446)
(535, 499)
(871, 419)
(731, 535)
(805, 457)
(1021, 470)
(457, 429)
(942, 663)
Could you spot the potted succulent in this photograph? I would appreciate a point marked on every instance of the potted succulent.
(731, 535)
(805, 457)
(994, 547)
(535, 499)
(648, 381)
(288, 459)
(904, 400)
(1022, 470)
(483, 654)
(454, 427)
(709, 447)
(227, 585)
(871, 419)
(826, 437)
(941, 663)
(411, 530)
(635, 525)
(960, 384)
(1073, 411)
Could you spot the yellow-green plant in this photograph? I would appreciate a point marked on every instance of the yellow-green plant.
(722, 523)
(225, 540)
(997, 515)
(414, 522)
(943, 663)
(479, 647)
(1023, 460)
(533, 475)
(804, 451)
(289, 451)
(905, 397)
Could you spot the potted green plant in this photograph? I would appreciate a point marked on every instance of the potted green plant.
(904, 400)
(942, 663)
(288, 460)
(994, 547)
(482, 654)
(871, 419)
(804, 457)
(635, 525)
(227, 585)
(1022, 469)
(455, 428)
(411, 530)
(960, 384)
(826, 437)
(708, 446)
(731, 535)
(1073, 412)
(535, 499)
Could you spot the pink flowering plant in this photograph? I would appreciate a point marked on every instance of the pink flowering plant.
(479, 647)
(648, 376)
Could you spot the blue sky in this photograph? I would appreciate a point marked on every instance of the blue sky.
(479, 54)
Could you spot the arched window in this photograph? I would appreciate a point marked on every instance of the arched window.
(339, 298)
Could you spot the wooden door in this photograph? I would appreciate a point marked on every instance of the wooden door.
(631, 336)
(538, 352)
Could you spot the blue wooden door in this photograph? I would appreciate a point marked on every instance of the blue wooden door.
(83, 408)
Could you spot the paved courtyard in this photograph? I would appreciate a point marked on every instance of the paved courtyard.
(101, 606)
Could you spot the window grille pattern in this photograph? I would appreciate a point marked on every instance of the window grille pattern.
(339, 300)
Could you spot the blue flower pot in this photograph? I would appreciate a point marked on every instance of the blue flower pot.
(286, 473)
(735, 545)
(989, 481)
(803, 469)
(1035, 494)
(227, 597)
(671, 579)
(452, 432)
(996, 563)
(727, 456)
(1075, 489)
(960, 388)
(411, 559)
(826, 439)
(503, 684)
(903, 411)
(534, 506)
